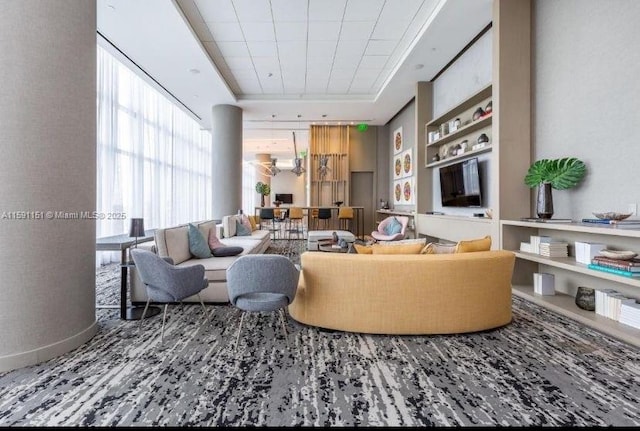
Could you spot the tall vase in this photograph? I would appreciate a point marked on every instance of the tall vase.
(262, 200)
(545, 201)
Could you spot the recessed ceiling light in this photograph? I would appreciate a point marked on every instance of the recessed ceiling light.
(324, 115)
(269, 74)
(352, 123)
(419, 66)
(273, 115)
(194, 71)
(299, 116)
(112, 7)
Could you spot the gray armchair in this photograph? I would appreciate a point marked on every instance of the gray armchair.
(262, 283)
(166, 283)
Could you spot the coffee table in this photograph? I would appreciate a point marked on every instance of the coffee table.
(332, 247)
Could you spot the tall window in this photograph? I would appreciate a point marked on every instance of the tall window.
(153, 159)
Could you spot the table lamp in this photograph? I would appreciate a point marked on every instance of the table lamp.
(137, 229)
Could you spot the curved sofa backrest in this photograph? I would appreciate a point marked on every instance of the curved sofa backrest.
(405, 294)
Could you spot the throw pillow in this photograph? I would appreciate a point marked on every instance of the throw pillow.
(363, 249)
(246, 223)
(214, 241)
(481, 244)
(254, 225)
(197, 244)
(242, 230)
(438, 248)
(227, 251)
(393, 227)
(414, 248)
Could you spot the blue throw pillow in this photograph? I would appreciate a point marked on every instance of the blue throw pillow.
(241, 230)
(393, 227)
(197, 244)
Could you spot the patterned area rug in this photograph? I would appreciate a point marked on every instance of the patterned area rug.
(542, 369)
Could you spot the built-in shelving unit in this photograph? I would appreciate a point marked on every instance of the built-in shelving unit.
(444, 149)
(570, 274)
(461, 156)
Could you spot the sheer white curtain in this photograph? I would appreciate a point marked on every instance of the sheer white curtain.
(154, 161)
(249, 188)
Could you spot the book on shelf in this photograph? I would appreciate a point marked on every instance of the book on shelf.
(610, 221)
(544, 283)
(613, 270)
(547, 220)
(601, 300)
(630, 314)
(632, 265)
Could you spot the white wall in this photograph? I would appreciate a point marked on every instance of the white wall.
(407, 120)
(288, 182)
(586, 96)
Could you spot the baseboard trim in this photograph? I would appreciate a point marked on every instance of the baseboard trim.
(41, 354)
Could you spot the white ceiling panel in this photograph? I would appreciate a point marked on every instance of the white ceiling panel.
(326, 30)
(321, 49)
(351, 49)
(390, 29)
(263, 49)
(363, 10)
(373, 61)
(253, 10)
(233, 49)
(239, 63)
(216, 10)
(226, 31)
(380, 47)
(399, 10)
(258, 31)
(286, 31)
(266, 65)
(318, 69)
(356, 30)
(343, 74)
(326, 10)
(292, 49)
(286, 10)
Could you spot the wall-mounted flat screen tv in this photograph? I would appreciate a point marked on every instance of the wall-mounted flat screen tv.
(460, 184)
(285, 198)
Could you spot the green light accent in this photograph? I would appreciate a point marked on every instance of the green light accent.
(362, 127)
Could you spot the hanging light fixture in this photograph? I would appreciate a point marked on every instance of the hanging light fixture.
(323, 169)
(273, 169)
(298, 169)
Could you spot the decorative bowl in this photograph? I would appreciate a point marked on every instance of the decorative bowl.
(618, 254)
(610, 215)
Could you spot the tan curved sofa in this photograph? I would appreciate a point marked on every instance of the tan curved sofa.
(405, 294)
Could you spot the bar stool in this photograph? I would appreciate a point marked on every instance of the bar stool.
(324, 214)
(345, 217)
(295, 219)
(267, 219)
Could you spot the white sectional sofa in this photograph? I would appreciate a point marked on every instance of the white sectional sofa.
(173, 242)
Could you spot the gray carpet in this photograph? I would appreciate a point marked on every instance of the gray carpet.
(542, 369)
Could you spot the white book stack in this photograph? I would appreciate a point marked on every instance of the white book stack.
(609, 303)
(543, 283)
(630, 314)
(601, 301)
(526, 247)
(554, 249)
(536, 240)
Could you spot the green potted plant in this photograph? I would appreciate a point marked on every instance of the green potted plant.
(548, 174)
(263, 189)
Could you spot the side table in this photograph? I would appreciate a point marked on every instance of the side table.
(123, 243)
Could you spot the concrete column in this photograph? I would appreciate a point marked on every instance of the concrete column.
(226, 137)
(48, 165)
